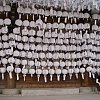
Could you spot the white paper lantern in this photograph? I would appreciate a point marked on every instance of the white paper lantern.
(64, 72)
(24, 72)
(58, 72)
(49, 55)
(18, 22)
(1, 22)
(70, 71)
(31, 63)
(82, 71)
(4, 37)
(2, 53)
(38, 72)
(51, 72)
(10, 70)
(32, 24)
(76, 71)
(32, 72)
(43, 63)
(42, 55)
(2, 71)
(45, 72)
(36, 55)
(16, 53)
(26, 46)
(32, 32)
(17, 61)
(7, 21)
(20, 46)
(17, 71)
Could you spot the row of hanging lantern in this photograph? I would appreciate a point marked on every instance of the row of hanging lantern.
(88, 52)
(50, 12)
(51, 71)
(53, 55)
(5, 9)
(73, 5)
(48, 55)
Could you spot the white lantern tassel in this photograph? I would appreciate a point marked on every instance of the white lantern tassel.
(93, 75)
(31, 75)
(24, 77)
(2, 76)
(82, 76)
(51, 76)
(10, 75)
(45, 19)
(65, 19)
(45, 78)
(64, 77)
(70, 75)
(90, 74)
(17, 77)
(58, 77)
(76, 76)
(38, 76)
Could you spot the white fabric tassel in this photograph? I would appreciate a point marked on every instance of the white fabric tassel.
(12, 49)
(23, 67)
(10, 75)
(38, 76)
(95, 22)
(27, 16)
(59, 20)
(33, 16)
(58, 77)
(17, 77)
(4, 2)
(51, 11)
(64, 77)
(6, 14)
(76, 76)
(2, 76)
(51, 76)
(90, 74)
(24, 77)
(45, 78)
(71, 20)
(97, 81)
(70, 75)
(16, 37)
(31, 75)
(65, 20)
(93, 75)
(45, 19)
(39, 27)
(19, 16)
(75, 20)
(82, 76)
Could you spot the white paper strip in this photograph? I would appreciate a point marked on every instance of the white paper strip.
(17, 76)
(38, 76)
(10, 75)
(82, 76)
(45, 78)
(2, 76)
(58, 77)
(51, 76)
(76, 76)
(90, 74)
(24, 77)
(64, 77)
